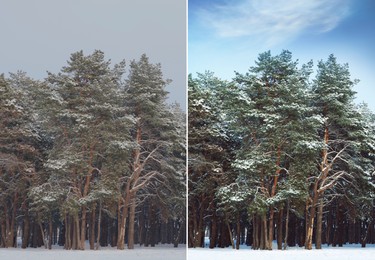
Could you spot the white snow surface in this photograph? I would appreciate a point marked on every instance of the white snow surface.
(347, 252)
(160, 252)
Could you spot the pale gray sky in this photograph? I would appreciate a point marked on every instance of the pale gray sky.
(40, 35)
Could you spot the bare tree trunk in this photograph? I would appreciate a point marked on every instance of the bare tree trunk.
(67, 244)
(229, 231)
(43, 235)
(92, 227)
(272, 210)
(131, 224)
(76, 237)
(264, 234)
(74, 231)
(82, 239)
(286, 226)
(255, 244)
(50, 232)
(280, 230)
(310, 225)
(26, 230)
(122, 222)
(319, 218)
(198, 224)
(366, 234)
(213, 234)
(99, 220)
(178, 236)
(10, 223)
(270, 229)
(238, 231)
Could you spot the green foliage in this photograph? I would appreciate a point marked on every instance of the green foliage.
(67, 143)
(257, 142)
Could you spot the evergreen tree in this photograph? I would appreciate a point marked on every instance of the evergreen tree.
(153, 134)
(210, 152)
(277, 121)
(89, 124)
(20, 152)
(333, 99)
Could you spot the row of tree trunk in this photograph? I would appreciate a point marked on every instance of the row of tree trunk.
(100, 230)
(289, 229)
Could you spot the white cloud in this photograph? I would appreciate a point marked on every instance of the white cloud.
(273, 22)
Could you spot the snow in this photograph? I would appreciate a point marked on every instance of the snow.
(347, 252)
(160, 252)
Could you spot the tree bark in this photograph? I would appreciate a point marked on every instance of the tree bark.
(82, 232)
(123, 210)
(286, 226)
(264, 234)
(92, 227)
(131, 224)
(319, 218)
(26, 230)
(238, 231)
(229, 231)
(99, 222)
(213, 234)
(43, 235)
(280, 230)
(272, 210)
(310, 225)
(50, 232)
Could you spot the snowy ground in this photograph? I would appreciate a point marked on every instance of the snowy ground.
(347, 252)
(160, 252)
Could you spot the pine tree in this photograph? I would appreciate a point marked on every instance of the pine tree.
(153, 135)
(333, 98)
(20, 152)
(277, 120)
(207, 153)
(89, 122)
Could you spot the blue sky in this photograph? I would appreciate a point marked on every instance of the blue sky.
(40, 35)
(227, 36)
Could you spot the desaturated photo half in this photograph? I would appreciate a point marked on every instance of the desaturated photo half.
(93, 130)
(281, 129)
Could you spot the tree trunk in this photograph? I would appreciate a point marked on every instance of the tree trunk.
(229, 231)
(82, 233)
(286, 226)
(67, 244)
(311, 218)
(213, 234)
(178, 236)
(123, 213)
(270, 229)
(43, 235)
(99, 221)
(309, 229)
(26, 230)
(319, 218)
(131, 224)
(329, 227)
(264, 234)
(10, 222)
(280, 230)
(76, 236)
(272, 210)
(238, 232)
(92, 228)
(256, 224)
(50, 232)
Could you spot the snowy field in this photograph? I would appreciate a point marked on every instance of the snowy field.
(347, 252)
(161, 252)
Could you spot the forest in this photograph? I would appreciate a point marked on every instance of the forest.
(280, 154)
(92, 154)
